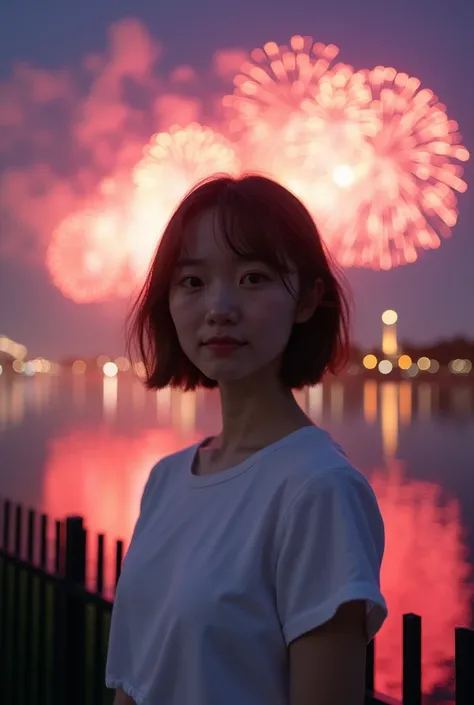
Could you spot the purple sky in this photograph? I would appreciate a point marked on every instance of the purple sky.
(429, 39)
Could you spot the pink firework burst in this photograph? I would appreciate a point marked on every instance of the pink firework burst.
(270, 88)
(172, 164)
(86, 259)
(329, 151)
(404, 198)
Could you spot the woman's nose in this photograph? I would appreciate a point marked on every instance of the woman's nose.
(222, 304)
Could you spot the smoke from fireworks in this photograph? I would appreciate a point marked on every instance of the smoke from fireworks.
(371, 153)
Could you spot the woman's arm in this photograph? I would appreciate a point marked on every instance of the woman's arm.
(327, 664)
(122, 698)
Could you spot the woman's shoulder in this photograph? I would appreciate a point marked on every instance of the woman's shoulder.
(315, 461)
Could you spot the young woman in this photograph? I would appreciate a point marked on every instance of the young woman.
(252, 577)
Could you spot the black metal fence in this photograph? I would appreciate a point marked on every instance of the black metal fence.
(54, 626)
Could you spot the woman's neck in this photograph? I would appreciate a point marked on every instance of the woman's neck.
(256, 414)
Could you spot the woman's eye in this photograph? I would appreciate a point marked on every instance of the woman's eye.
(191, 282)
(256, 277)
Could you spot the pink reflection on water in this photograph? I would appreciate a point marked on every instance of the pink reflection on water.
(425, 571)
(100, 476)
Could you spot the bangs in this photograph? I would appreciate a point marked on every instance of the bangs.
(252, 231)
(258, 219)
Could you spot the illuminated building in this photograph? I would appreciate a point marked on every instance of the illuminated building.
(389, 334)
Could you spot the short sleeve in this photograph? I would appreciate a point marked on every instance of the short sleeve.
(330, 544)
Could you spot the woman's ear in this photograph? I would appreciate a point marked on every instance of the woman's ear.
(309, 301)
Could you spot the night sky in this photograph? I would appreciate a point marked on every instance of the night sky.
(429, 39)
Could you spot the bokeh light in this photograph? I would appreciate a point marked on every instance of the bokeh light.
(424, 364)
(369, 362)
(79, 367)
(389, 317)
(110, 369)
(404, 362)
(385, 367)
(459, 366)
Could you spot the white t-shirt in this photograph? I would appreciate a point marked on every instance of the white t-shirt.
(224, 570)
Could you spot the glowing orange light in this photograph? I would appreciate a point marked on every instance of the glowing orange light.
(404, 362)
(370, 362)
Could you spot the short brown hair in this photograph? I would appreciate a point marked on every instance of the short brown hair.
(261, 218)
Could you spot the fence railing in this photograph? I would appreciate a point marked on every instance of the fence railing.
(54, 624)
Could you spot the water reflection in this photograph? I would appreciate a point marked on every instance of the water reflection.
(370, 401)
(110, 391)
(91, 444)
(426, 571)
(100, 476)
(405, 402)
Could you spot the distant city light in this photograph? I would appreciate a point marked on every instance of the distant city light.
(29, 368)
(424, 363)
(18, 366)
(123, 364)
(404, 362)
(110, 369)
(434, 367)
(413, 370)
(460, 367)
(79, 367)
(102, 360)
(389, 317)
(370, 362)
(385, 367)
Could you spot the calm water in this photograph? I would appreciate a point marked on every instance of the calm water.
(77, 445)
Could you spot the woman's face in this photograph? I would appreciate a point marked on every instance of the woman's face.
(214, 294)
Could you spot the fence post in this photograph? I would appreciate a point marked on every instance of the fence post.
(464, 645)
(411, 659)
(369, 672)
(75, 631)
